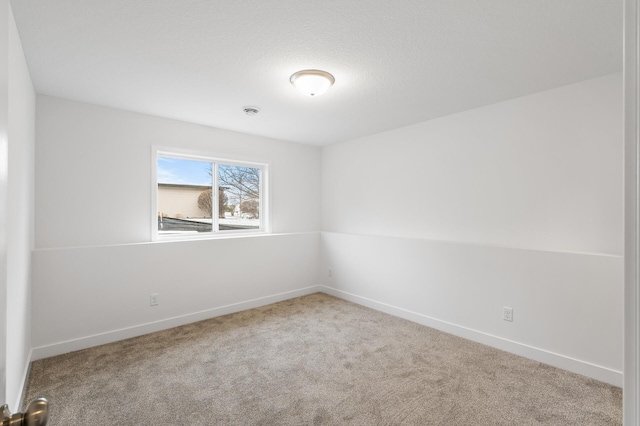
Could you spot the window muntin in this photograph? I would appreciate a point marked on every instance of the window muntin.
(185, 186)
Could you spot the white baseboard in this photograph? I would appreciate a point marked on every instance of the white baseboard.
(577, 366)
(139, 330)
(566, 363)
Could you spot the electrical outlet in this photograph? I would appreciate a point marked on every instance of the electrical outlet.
(507, 314)
(330, 273)
(154, 299)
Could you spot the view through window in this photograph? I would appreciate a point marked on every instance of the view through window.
(190, 190)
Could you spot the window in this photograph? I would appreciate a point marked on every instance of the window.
(198, 195)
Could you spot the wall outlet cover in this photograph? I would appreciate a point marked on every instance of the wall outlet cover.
(507, 314)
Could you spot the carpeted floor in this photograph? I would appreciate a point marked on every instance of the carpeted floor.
(314, 360)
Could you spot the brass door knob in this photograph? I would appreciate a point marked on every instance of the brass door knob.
(37, 414)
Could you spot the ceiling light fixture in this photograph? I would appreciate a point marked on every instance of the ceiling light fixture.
(312, 82)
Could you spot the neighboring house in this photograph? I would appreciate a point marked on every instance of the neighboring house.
(180, 200)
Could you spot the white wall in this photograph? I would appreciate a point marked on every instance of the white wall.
(542, 171)
(92, 295)
(454, 218)
(90, 158)
(16, 216)
(567, 306)
(94, 270)
(20, 215)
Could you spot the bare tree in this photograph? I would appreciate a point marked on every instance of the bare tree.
(205, 202)
(251, 207)
(243, 186)
(245, 180)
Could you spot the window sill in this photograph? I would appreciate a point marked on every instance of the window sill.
(187, 236)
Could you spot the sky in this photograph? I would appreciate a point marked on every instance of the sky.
(178, 170)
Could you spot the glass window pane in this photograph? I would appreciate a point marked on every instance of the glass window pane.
(184, 196)
(239, 197)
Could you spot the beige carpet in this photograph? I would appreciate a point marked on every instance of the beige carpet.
(314, 360)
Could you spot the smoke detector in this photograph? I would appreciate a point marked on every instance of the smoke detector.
(251, 110)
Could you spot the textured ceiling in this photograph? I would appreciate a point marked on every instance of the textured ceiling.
(395, 62)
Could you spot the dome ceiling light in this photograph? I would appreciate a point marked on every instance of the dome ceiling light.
(312, 82)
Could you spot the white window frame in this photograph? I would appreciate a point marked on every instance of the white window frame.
(169, 152)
